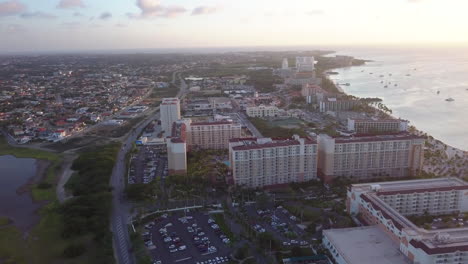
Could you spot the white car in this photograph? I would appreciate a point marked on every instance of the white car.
(183, 247)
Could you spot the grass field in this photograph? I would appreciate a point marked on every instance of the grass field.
(6, 149)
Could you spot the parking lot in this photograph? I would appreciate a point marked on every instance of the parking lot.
(186, 238)
(147, 164)
(278, 222)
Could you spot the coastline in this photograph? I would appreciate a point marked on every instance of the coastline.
(434, 148)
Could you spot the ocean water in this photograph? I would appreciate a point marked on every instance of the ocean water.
(419, 75)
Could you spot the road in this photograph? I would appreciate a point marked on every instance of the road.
(249, 125)
(120, 217)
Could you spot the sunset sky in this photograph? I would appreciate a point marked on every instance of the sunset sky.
(41, 25)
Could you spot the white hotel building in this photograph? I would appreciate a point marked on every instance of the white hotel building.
(384, 207)
(366, 157)
(264, 161)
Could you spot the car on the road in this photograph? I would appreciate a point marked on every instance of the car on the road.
(173, 250)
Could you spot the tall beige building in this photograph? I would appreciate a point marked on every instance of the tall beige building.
(176, 156)
(212, 135)
(366, 157)
(170, 112)
(259, 162)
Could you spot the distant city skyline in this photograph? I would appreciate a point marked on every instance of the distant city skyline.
(48, 25)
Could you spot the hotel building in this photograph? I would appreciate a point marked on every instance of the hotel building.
(384, 207)
(366, 157)
(259, 162)
(336, 105)
(363, 126)
(212, 135)
(170, 112)
(176, 156)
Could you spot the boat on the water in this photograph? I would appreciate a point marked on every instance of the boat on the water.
(450, 99)
(385, 86)
(438, 92)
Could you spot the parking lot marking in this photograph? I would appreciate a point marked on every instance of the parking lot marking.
(184, 259)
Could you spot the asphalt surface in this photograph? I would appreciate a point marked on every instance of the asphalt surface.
(191, 254)
(120, 217)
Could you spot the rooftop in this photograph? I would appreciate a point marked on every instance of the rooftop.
(365, 245)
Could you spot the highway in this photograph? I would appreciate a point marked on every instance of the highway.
(120, 217)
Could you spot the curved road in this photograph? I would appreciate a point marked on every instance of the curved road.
(120, 218)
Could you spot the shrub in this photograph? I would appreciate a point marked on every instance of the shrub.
(74, 250)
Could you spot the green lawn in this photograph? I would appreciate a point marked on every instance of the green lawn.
(6, 149)
(4, 221)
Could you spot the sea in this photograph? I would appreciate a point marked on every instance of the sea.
(415, 83)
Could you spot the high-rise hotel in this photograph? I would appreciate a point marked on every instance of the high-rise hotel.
(259, 162)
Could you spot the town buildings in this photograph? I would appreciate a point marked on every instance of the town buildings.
(385, 207)
(367, 157)
(363, 126)
(260, 162)
(170, 112)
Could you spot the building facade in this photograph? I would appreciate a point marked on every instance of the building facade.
(265, 162)
(367, 157)
(212, 135)
(176, 156)
(305, 64)
(336, 105)
(170, 112)
(363, 126)
(386, 206)
(261, 111)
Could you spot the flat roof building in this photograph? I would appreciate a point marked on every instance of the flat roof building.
(260, 162)
(370, 156)
(362, 245)
(365, 126)
(386, 205)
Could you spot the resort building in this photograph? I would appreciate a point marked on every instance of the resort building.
(366, 157)
(262, 111)
(336, 105)
(384, 206)
(363, 126)
(212, 135)
(305, 64)
(260, 162)
(170, 112)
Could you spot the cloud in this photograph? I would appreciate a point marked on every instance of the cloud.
(38, 14)
(153, 8)
(13, 28)
(315, 12)
(71, 25)
(105, 16)
(11, 8)
(120, 25)
(78, 14)
(65, 4)
(204, 10)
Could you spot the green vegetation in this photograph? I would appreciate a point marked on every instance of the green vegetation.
(11, 245)
(19, 152)
(4, 221)
(87, 214)
(139, 248)
(170, 91)
(263, 80)
(219, 219)
(269, 130)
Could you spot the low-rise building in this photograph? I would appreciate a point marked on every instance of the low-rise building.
(260, 162)
(384, 206)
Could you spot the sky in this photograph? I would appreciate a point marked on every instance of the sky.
(48, 25)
